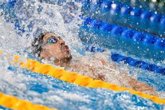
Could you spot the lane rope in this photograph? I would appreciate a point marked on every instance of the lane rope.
(137, 63)
(119, 13)
(126, 33)
(14, 103)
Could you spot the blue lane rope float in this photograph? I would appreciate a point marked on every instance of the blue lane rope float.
(130, 61)
(137, 63)
(126, 32)
(119, 13)
(120, 38)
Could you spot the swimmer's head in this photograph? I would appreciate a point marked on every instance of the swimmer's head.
(52, 46)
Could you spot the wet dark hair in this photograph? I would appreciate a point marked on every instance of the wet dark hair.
(37, 44)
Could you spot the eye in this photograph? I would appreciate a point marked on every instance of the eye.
(52, 40)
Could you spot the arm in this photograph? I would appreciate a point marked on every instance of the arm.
(133, 83)
(140, 86)
(103, 70)
(124, 78)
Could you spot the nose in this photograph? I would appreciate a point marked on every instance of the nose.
(62, 42)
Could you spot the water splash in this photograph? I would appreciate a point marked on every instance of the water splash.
(35, 17)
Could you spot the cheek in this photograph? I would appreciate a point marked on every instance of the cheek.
(49, 48)
(54, 50)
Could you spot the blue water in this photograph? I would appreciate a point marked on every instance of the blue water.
(56, 93)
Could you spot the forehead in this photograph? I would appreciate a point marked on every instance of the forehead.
(48, 35)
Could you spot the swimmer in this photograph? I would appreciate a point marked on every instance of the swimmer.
(52, 47)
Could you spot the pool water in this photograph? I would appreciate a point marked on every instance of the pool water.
(21, 21)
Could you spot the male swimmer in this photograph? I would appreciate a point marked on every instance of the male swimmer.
(50, 46)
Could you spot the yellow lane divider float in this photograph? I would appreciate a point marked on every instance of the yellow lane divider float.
(14, 103)
(81, 80)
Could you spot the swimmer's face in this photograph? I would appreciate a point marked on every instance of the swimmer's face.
(54, 47)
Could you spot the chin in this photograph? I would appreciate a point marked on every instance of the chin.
(68, 57)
